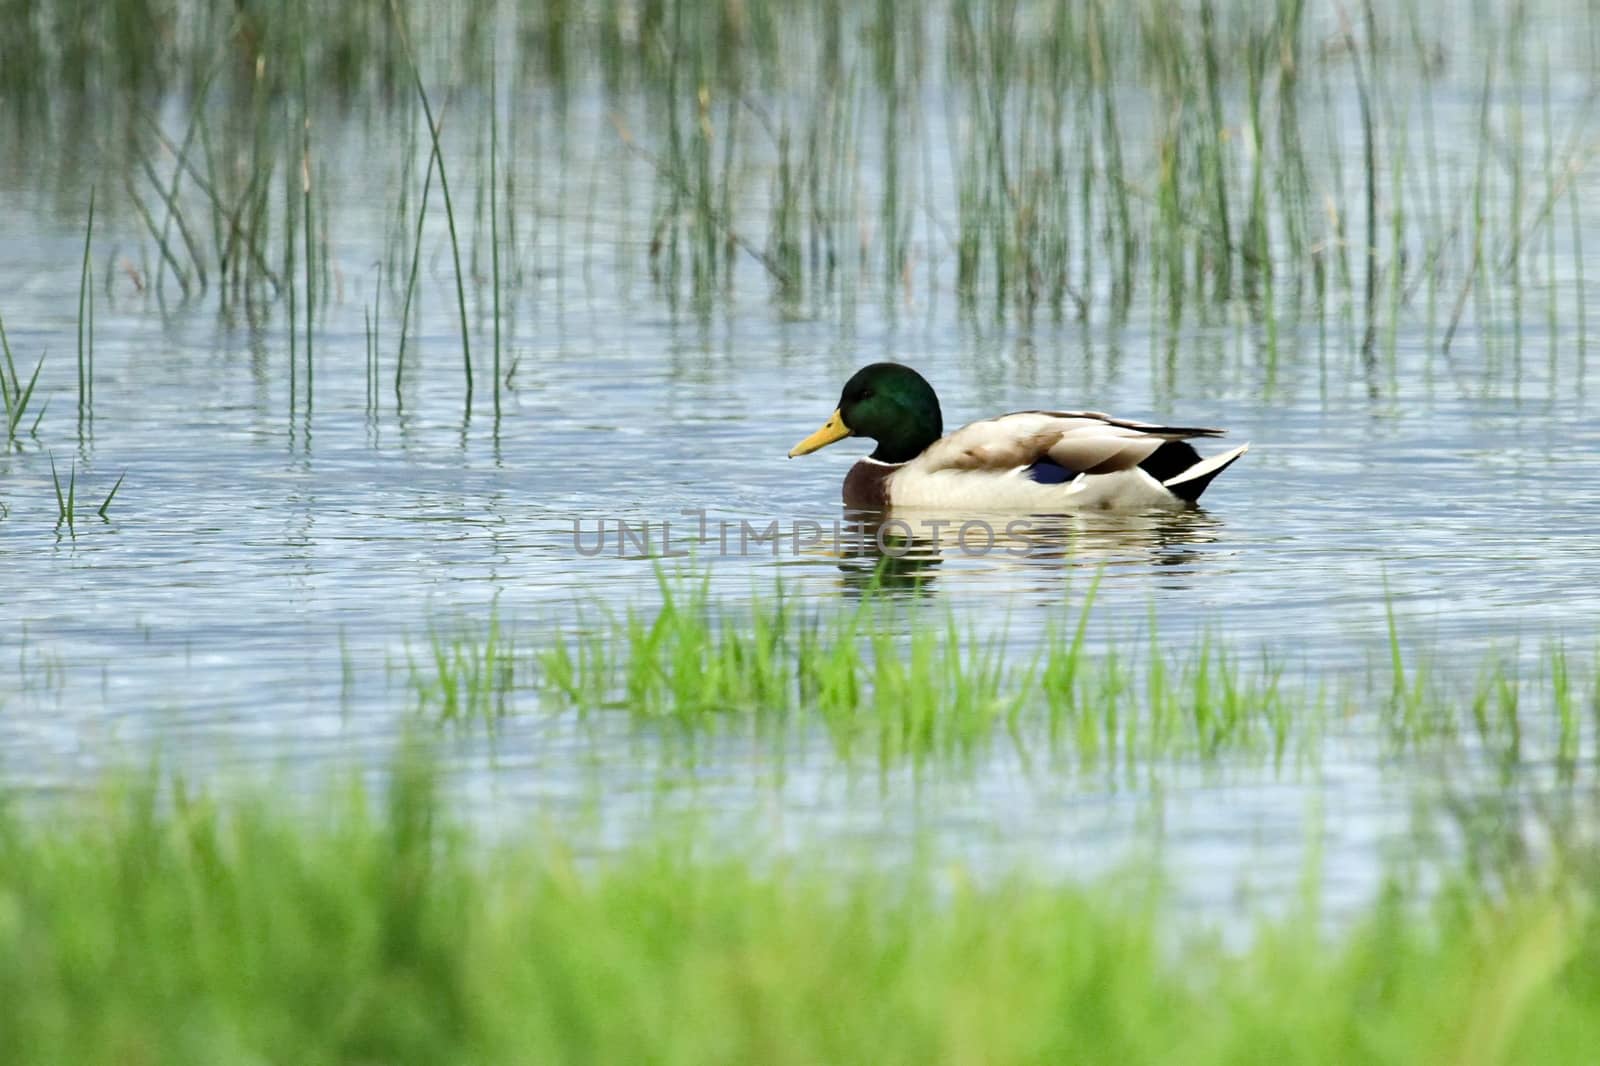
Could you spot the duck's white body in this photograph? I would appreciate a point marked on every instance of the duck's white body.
(1015, 490)
(1045, 461)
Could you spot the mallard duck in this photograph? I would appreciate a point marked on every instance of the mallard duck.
(1036, 461)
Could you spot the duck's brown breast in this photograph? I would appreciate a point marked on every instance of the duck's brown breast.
(867, 484)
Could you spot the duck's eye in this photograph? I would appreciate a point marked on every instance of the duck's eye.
(866, 394)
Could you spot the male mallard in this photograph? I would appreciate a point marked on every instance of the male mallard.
(1027, 461)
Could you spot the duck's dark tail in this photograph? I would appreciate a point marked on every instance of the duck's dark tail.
(1181, 470)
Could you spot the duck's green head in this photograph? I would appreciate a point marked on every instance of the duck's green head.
(886, 402)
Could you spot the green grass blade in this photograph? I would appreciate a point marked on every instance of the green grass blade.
(411, 278)
(105, 506)
(61, 499)
(85, 325)
(449, 210)
(494, 222)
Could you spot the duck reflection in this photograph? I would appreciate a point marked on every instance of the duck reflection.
(906, 550)
(878, 553)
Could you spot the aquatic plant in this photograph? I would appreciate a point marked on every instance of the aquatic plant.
(891, 682)
(1034, 157)
(13, 392)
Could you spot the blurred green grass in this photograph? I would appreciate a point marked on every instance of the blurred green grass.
(158, 925)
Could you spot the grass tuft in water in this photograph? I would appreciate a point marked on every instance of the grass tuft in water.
(66, 502)
(104, 510)
(466, 674)
(891, 683)
(13, 392)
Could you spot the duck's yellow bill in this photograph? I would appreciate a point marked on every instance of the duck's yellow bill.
(833, 429)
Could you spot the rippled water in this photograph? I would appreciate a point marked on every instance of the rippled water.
(267, 571)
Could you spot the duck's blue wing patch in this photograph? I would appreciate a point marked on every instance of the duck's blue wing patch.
(1046, 472)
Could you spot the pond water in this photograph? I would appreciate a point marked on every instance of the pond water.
(271, 563)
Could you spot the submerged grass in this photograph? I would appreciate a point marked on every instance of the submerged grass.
(163, 925)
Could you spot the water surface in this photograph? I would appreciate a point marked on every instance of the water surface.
(280, 550)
